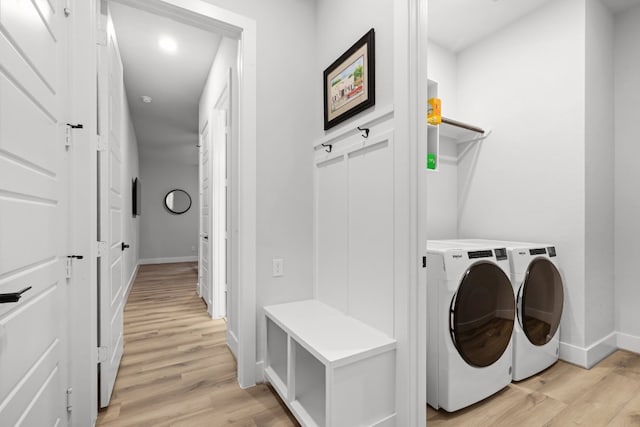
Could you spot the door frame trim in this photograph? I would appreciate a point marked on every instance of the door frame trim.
(203, 14)
(82, 298)
(82, 79)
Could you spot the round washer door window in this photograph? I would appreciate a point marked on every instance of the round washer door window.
(482, 314)
(542, 300)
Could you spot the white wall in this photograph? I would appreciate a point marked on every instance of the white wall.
(599, 170)
(443, 68)
(442, 192)
(166, 237)
(627, 173)
(334, 38)
(527, 180)
(284, 173)
(130, 170)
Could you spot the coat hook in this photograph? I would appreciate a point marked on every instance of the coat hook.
(328, 148)
(365, 130)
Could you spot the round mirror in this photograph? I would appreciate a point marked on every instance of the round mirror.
(177, 201)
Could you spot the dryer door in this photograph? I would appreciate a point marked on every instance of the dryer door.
(482, 314)
(541, 298)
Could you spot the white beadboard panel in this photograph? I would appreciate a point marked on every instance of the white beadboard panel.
(371, 234)
(29, 82)
(331, 223)
(37, 401)
(19, 179)
(30, 25)
(25, 364)
(26, 132)
(37, 275)
(23, 246)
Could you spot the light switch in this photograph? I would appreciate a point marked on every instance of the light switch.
(278, 267)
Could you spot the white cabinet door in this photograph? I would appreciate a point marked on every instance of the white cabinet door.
(111, 191)
(33, 213)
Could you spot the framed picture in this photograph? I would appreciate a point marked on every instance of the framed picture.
(350, 82)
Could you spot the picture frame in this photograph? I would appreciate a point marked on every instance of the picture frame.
(350, 82)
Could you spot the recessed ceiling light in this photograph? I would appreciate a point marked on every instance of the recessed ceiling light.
(146, 99)
(168, 44)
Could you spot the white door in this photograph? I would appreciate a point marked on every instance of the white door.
(110, 193)
(33, 213)
(200, 228)
(204, 255)
(218, 239)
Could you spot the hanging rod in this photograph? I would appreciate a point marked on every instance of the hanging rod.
(462, 125)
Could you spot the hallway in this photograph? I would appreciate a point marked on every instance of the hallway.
(177, 369)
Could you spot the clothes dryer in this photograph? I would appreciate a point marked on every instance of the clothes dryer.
(539, 291)
(471, 312)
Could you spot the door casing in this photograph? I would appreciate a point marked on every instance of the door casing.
(83, 71)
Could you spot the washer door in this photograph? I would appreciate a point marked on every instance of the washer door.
(541, 298)
(482, 314)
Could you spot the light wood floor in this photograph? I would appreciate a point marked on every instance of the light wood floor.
(563, 395)
(177, 369)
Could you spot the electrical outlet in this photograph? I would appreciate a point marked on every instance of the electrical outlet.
(278, 267)
(193, 248)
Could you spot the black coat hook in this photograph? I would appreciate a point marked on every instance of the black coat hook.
(365, 130)
(328, 147)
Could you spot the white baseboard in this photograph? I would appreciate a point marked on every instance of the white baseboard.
(390, 421)
(130, 283)
(601, 349)
(573, 354)
(168, 260)
(589, 356)
(628, 342)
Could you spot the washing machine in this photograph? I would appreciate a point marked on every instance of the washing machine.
(539, 291)
(471, 313)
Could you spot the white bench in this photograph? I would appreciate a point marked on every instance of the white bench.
(330, 369)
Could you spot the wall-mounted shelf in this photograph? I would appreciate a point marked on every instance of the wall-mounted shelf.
(454, 130)
(460, 131)
(330, 369)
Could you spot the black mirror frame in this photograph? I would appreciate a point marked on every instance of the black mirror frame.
(171, 210)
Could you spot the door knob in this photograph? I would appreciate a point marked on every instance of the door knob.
(124, 246)
(13, 296)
